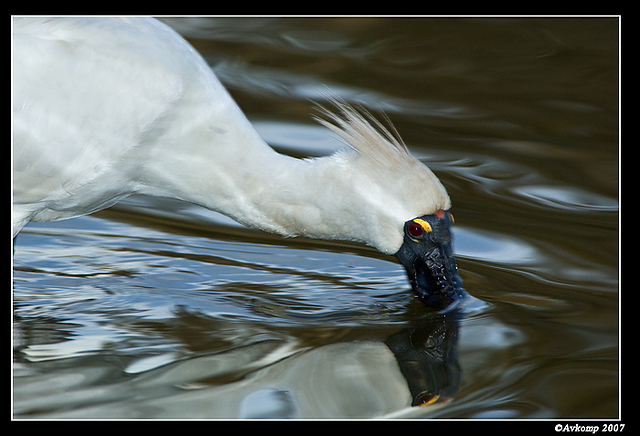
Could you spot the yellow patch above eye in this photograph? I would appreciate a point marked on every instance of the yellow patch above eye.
(425, 225)
(430, 400)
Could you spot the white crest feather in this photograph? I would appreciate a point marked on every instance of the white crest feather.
(362, 132)
(397, 186)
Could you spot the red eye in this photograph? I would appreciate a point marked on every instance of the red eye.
(415, 229)
(425, 399)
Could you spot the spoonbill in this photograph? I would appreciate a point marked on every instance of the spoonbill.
(107, 107)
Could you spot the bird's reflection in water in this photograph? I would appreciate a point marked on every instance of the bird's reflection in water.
(270, 377)
(427, 352)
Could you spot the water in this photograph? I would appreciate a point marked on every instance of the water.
(160, 309)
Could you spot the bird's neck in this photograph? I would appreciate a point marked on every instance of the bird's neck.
(239, 175)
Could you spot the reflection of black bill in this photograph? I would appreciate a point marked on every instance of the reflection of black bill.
(427, 354)
(427, 256)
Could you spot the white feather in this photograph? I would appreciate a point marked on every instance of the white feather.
(104, 108)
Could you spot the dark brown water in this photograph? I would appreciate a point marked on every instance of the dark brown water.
(159, 309)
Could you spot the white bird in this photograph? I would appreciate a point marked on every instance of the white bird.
(107, 107)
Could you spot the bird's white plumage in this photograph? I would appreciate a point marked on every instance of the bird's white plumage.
(103, 108)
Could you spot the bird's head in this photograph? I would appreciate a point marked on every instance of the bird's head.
(427, 256)
(408, 208)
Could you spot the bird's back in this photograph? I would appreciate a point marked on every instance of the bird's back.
(86, 94)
